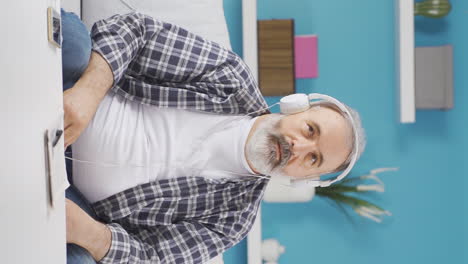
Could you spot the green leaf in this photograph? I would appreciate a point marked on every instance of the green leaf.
(336, 188)
(353, 201)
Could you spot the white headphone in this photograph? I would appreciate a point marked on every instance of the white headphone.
(296, 103)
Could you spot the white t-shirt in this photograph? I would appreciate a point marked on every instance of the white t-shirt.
(135, 144)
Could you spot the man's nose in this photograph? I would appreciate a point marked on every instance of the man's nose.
(302, 147)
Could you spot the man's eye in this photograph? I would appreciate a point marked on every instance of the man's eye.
(311, 130)
(313, 159)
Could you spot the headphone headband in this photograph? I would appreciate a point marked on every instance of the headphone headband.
(296, 103)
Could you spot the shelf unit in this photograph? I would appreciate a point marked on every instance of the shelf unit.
(405, 62)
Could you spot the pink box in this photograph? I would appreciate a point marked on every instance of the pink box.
(306, 56)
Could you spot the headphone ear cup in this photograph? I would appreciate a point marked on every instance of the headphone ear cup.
(294, 103)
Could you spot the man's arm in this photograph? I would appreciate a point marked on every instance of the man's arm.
(80, 102)
(181, 242)
(166, 66)
(181, 220)
(86, 232)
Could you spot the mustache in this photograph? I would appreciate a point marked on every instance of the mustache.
(285, 150)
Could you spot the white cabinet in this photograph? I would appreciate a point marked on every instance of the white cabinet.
(31, 97)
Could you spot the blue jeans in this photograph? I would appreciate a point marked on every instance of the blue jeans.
(76, 50)
(75, 253)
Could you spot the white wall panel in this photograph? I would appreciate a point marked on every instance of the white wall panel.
(31, 231)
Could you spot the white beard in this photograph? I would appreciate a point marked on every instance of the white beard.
(261, 150)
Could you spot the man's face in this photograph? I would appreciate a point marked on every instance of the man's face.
(309, 143)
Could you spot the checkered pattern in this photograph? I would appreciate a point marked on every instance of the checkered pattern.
(180, 220)
(187, 219)
(164, 65)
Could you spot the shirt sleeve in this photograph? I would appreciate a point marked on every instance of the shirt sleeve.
(179, 220)
(119, 39)
(182, 242)
(161, 64)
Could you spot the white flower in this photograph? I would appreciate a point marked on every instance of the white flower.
(379, 187)
(370, 187)
(373, 213)
(372, 177)
(379, 170)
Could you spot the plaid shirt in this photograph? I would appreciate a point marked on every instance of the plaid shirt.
(187, 219)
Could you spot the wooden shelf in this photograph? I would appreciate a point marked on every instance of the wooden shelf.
(276, 57)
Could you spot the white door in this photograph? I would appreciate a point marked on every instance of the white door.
(31, 231)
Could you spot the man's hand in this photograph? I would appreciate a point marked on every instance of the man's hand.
(86, 232)
(80, 102)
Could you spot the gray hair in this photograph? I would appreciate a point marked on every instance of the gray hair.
(361, 136)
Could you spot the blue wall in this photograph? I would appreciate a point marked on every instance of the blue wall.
(426, 196)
